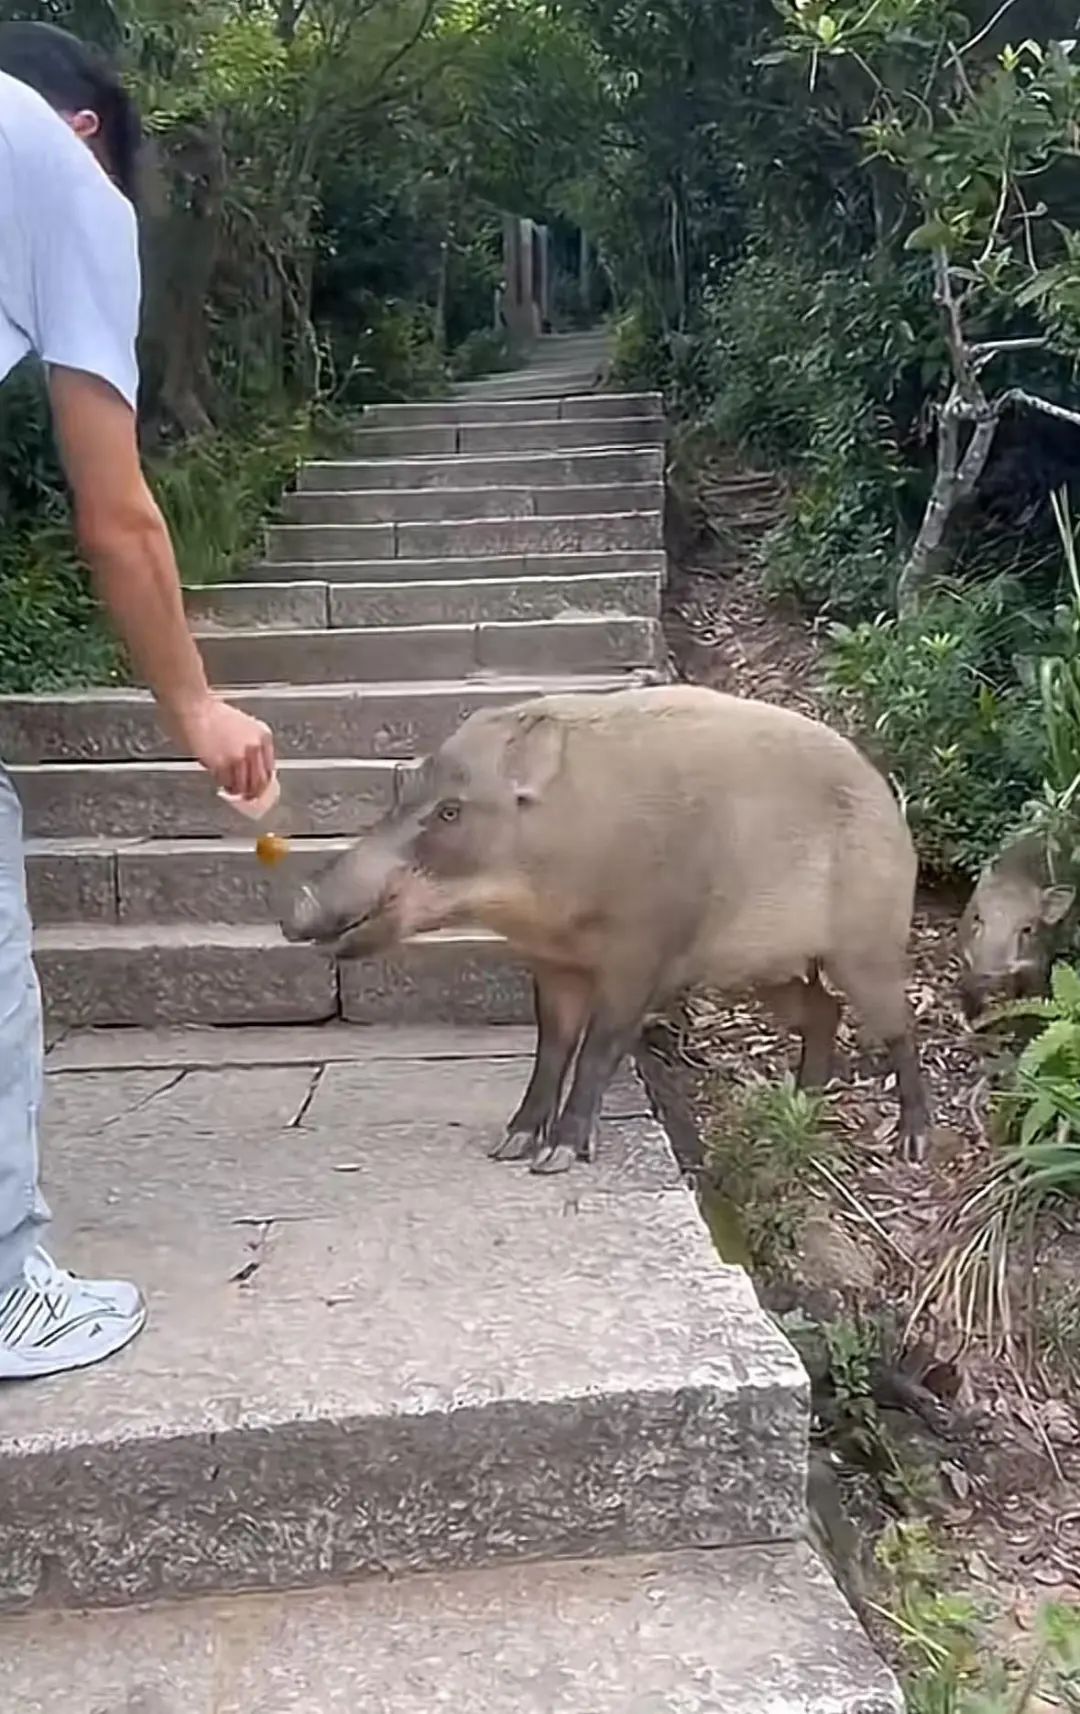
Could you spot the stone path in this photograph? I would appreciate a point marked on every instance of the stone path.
(407, 1430)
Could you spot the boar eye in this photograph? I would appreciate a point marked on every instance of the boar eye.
(448, 812)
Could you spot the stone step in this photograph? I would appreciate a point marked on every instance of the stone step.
(535, 435)
(526, 470)
(652, 560)
(371, 1349)
(579, 380)
(467, 601)
(754, 1630)
(132, 801)
(446, 505)
(609, 532)
(164, 880)
(311, 722)
(458, 413)
(99, 974)
(416, 652)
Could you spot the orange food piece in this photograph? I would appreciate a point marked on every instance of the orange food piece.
(271, 849)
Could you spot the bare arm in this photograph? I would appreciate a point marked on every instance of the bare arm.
(126, 543)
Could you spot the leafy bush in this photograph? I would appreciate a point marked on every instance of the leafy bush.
(215, 494)
(939, 703)
(765, 1152)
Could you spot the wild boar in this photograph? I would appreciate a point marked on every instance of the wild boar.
(1011, 928)
(633, 844)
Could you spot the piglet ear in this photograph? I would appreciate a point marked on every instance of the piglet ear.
(533, 755)
(1055, 904)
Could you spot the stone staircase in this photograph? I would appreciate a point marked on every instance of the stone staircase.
(473, 552)
(407, 1430)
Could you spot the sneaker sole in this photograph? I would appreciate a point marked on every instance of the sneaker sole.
(38, 1366)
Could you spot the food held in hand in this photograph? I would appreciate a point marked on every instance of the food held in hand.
(271, 849)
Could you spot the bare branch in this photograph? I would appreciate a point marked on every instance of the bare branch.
(1032, 402)
(991, 23)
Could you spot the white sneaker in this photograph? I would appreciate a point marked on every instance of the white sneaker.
(51, 1322)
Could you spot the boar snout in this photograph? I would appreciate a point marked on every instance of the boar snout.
(302, 916)
(349, 905)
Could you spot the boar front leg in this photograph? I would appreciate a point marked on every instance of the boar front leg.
(611, 1032)
(562, 999)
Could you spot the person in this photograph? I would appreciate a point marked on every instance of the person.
(70, 293)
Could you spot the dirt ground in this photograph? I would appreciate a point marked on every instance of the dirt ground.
(1002, 1441)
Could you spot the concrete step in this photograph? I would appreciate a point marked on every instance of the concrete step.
(758, 1630)
(535, 435)
(415, 652)
(609, 532)
(438, 505)
(310, 722)
(526, 470)
(652, 560)
(468, 601)
(98, 974)
(132, 801)
(458, 413)
(163, 880)
(371, 1349)
(547, 383)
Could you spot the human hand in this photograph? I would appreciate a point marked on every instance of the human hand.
(235, 749)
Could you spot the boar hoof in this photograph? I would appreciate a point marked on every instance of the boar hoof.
(514, 1146)
(914, 1146)
(552, 1158)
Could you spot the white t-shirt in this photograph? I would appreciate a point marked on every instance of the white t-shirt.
(69, 255)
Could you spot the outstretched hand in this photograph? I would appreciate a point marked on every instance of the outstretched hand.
(235, 749)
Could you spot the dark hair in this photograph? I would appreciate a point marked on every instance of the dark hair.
(73, 76)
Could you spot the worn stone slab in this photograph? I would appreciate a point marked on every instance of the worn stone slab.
(446, 978)
(341, 656)
(211, 881)
(310, 722)
(103, 973)
(166, 800)
(371, 1347)
(610, 532)
(649, 560)
(274, 607)
(435, 442)
(584, 645)
(531, 470)
(754, 1630)
(588, 644)
(596, 432)
(593, 406)
(470, 600)
(292, 1044)
(288, 542)
(451, 413)
(426, 505)
(71, 880)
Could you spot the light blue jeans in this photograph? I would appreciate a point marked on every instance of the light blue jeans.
(22, 1209)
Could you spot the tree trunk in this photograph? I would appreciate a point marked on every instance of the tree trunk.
(955, 482)
(191, 243)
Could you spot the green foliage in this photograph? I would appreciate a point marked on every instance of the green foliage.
(764, 1152)
(939, 703)
(215, 492)
(943, 1639)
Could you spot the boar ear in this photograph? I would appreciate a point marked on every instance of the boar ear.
(1055, 904)
(534, 755)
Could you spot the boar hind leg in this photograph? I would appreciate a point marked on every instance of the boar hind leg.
(562, 1000)
(877, 992)
(813, 1013)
